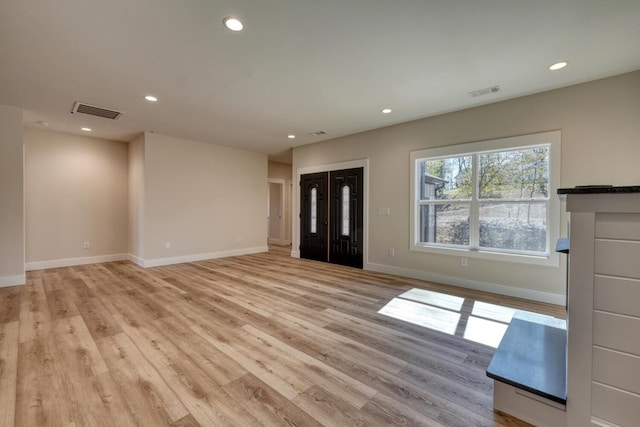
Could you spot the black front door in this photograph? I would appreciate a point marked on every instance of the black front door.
(346, 219)
(314, 213)
(331, 217)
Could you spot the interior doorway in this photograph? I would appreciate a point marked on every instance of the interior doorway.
(275, 211)
(331, 216)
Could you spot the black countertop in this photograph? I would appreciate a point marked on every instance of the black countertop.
(600, 189)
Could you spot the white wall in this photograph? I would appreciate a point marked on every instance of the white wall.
(205, 200)
(75, 192)
(600, 124)
(11, 197)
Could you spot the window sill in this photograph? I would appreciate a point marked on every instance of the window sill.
(548, 260)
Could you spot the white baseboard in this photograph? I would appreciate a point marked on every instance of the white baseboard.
(157, 262)
(7, 281)
(136, 260)
(530, 294)
(295, 254)
(42, 265)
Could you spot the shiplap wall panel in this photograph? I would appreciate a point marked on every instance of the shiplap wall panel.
(617, 295)
(617, 369)
(618, 226)
(617, 332)
(615, 406)
(617, 258)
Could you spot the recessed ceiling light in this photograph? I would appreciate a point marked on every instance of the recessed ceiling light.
(233, 24)
(86, 129)
(558, 66)
(386, 110)
(150, 98)
(292, 136)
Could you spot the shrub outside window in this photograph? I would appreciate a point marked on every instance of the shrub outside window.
(491, 198)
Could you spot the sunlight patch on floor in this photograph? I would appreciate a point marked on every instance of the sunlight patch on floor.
(478, 321)
(423, 315)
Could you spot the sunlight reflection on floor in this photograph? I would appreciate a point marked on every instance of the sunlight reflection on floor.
(476, 321)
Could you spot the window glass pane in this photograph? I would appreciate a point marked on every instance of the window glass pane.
(446, 224)
(446, 179)
(514, 226)
(516, 174)
(313, 221)
(345, 210)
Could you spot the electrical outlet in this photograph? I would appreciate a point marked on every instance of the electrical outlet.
(87, 245)
(463, 261)
(392, 252)
(167, 245)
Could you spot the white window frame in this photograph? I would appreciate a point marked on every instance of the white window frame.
(550, 257)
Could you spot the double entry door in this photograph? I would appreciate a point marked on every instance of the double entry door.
(331, 217)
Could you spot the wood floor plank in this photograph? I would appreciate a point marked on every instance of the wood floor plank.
(10, 304)
(76, 342)
(217, 365)
(267, 405)
(359, 350)
(199, 393)
(9, 341)
(256, 364)
(383, 410)
(346, 388)
(61, 305)
(329, 410)
(98, 319)
(35, 320)
(91, 392)
(149, 398)
(42, 397)
(261, 339)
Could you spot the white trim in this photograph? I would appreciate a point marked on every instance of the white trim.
(43, 265)
(7, 281)
(275, 242)
(136, 260)
(157, 262)
(295, 203)
(530, 294)
(553, 138)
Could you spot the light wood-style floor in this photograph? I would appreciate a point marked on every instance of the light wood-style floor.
(253, 340)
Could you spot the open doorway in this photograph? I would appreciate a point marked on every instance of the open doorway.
(276, 211)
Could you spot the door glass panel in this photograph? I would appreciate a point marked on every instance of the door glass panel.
(345, 210)
(314, 211)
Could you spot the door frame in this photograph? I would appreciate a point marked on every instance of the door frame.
(281, 183)
(295, 213)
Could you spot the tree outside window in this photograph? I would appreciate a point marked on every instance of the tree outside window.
(491, 200)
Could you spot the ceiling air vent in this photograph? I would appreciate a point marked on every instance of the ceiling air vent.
(487, 91)
(92, 110)
(318, 133)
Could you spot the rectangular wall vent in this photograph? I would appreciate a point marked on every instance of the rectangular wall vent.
(92, 110)
(487, 91)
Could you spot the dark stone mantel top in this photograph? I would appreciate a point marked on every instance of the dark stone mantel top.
(532, 356)
(600, 189)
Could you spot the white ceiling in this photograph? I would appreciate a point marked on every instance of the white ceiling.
(300, 65)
